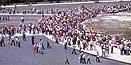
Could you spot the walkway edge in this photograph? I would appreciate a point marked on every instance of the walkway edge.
(50, 37)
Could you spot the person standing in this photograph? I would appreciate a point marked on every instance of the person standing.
(65, 45)
(41, 41)
(48, 45)
(88, 59)
(2, 42)
(127, 50)
(40, 48)
(33, 10)
(37, 46)
(34, 48)
(97, 57)
(69, 41)
(30, 29)
(3, 31)
(22, 19)
(112, 48)
(9, 39)
(38, 29)
(0, 19)
(24, 28)
(84, 59)
(32, 39)
(57, 40)
(81, 57)
(103, 53)
(24, 36)
(12, 41)
(17, 41)
(74, 40)
(109, 50)
(79, 45)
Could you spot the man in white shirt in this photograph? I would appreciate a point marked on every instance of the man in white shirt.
(12, 41)
(98, 57)
(84, 59)
(17, 41)
(22, 19)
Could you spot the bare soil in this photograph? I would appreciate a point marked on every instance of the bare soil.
(110, 23)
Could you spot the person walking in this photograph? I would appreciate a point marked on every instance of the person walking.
(74, 50)
(97, 57)
(67, 61)
(48, 45)
(81, 57)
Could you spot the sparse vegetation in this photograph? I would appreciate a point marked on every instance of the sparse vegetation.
(127, 33)
(119, 27)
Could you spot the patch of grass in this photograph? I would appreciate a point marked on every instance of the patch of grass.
(127, 33)
(113, 32)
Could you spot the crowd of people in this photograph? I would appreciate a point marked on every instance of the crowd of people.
(12, 41)
(66, 27)
(16, 10)
(4, 18)
(38, 47)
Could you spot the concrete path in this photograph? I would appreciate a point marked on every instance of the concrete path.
(115, 56)
(11, 55)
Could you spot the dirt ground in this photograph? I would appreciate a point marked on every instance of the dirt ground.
(116, 23)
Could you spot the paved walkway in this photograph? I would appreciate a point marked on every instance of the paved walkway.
(11, 55)
(115, 56)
